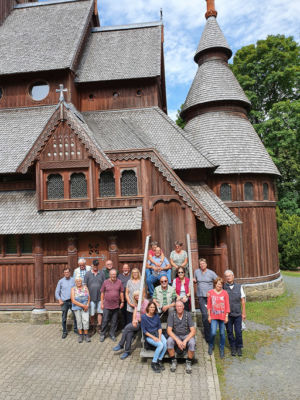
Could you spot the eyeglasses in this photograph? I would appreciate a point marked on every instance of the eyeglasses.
(179, 273)
(164, 281)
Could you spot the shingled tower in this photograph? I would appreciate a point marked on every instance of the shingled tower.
(215, 112)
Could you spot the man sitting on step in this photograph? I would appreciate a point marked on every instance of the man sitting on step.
(181, 331)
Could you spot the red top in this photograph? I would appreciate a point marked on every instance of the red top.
(112, 292)
(218, 304)
(151, 253)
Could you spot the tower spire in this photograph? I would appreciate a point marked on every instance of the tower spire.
(211, 11)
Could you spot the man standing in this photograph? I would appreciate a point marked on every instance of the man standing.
(181, 330)
(94, 280)
(81, 270)
(112, 300)
(237, 313)
(204, 278)
(157, 272)
(164, 296)
(124, 278)
(63, 295)
(107, 268)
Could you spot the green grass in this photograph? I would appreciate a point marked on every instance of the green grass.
(291, 273)
(269, 312)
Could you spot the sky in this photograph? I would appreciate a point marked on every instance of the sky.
(243, 22)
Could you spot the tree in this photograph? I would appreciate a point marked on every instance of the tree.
(288, 240)
(179, 121)
(269, 73)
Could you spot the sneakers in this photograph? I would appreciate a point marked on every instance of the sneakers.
(87, 338)
(188, 366)
(80, 338)
(239, 352)
(124, 355)
(102, 338)
(221, 352)
(210, 349)
(173, 365)
(155, 367)
(64, 335)
(117, 348)
(161, 365)
(233, 351)
(113, 338)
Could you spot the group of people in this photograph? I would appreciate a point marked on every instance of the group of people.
(99, 297)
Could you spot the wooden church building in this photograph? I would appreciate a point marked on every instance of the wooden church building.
(90, 162)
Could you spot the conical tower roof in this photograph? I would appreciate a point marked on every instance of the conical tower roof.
(212, 38)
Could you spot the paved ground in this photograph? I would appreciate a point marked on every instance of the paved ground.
(37, 364)
(274, 374)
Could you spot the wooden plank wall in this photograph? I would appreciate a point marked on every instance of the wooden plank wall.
(17, 283)
(5, 8)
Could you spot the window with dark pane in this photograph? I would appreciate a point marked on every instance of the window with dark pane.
(225, 192)
(78, 186)
(266, 191)
(248, 191)
(10, 244)
(128, 183)
(26, 244)
(55, 187)
(107, 184)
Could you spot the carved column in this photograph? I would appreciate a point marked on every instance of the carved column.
(72, 253)
(113, 251)
(222, 235)
(146, 194)
(190, 227)
(39, 296)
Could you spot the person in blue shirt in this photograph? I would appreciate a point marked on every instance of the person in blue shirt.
(63, 295)
(157, 272)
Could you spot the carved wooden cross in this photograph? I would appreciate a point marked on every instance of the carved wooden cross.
(61, 90)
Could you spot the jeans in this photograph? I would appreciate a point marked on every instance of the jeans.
(127, 336)
(65, 308)
(161, 348)
(235, 339)
(112, 317)
(213, 331)
(206, 324)
(151, 279)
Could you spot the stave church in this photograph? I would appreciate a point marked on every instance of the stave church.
(91, 163)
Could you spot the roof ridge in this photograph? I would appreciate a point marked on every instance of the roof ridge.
(127, 26)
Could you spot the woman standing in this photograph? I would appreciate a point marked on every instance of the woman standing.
(133, 327)
(178, 258)
(80, 298)
(152, 330)
(218, 309)
(133, 285)
(182, 286)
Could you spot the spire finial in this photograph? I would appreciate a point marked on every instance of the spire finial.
(61, 91)
(161, 14)
(211, 11)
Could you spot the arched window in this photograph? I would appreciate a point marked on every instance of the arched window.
(225, 192)
(248, 191)
(107, 184)
(128, 183)
(78, 186)
(266, 191)
(55, 187)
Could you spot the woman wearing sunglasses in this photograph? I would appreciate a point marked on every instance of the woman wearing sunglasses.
(182, 286)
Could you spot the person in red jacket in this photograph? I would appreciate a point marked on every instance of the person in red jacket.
(218, 309)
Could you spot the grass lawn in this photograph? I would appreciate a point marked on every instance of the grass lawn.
(291, 273)
(270, 313)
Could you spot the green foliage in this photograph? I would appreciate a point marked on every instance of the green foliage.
(269, 73)
(179, 121)
(288, 240)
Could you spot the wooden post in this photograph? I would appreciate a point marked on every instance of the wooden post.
(113, 251)
(145, 193)
(222, 234)
(39, 296)
(190, 227)
(72, 253)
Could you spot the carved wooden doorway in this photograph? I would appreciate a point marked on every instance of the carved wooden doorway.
(93, 246)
